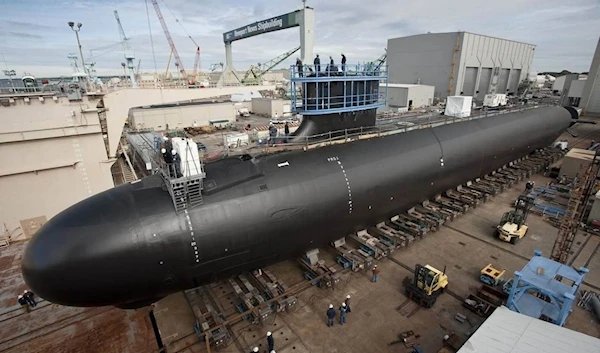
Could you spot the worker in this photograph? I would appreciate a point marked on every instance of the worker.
(317, 63)
(29, 297)
(343, 62)
(299, 67)
(254, 350)
(529, 186)
(330, 315)
(347, 302)
(248, 127)
(375, 274)
(166, 156)
(21, 299)
(286, 129)
(176, 164)
(331, 60)
(270, 342)
(272, 132)
(343, 311)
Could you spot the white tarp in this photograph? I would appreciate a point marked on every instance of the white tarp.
(459, 106)
(245, 97)
(188, 152)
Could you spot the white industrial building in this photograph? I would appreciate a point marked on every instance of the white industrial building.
(409, 95)
(506, 331)
(180, 115)
(590, 100)
(271, 108)
(459, 63)
(575, 92)
(563, 82)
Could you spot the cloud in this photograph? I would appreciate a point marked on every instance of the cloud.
(563, 32)
(24, 35)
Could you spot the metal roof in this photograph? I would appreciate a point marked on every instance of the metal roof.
(506, 331)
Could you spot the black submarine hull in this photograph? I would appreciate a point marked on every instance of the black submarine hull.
(127, 247)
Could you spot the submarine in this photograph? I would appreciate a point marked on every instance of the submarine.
(128, 247)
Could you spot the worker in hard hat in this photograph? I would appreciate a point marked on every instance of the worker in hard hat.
(347, 302)
(330, 315)
(343, 311)
(270, 341)
(254, 350)
(176, 164)
(21, 299)
(375, 274)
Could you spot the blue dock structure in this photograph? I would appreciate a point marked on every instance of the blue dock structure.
(545, 289)
(334, 99)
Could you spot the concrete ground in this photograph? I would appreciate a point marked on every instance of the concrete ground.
(464, 247)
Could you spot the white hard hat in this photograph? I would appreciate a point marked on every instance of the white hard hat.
(173, 152)
(255, 349)
(269, 333)
(165, 138)
(20, 296)
(343, 304)
(375, 266)
(348, 296)
(25, 291)
(273, 351)
(330, 306)
(164, 150)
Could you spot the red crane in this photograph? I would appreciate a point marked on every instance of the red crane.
(189, 80)
(196, 64)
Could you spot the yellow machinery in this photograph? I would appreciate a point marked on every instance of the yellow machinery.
(512, 226)
(428, 283)
(491, 276)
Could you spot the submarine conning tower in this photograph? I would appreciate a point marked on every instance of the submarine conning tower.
(335, 98)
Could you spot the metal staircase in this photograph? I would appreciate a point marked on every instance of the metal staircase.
(186, 192)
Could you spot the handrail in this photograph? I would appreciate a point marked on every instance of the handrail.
(391, 127)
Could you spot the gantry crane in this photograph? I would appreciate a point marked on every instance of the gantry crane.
(375, 66)
(129, 55)
(583, 186)
(258, 71)
(191, 80)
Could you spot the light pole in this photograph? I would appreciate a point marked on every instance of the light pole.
(72, 25)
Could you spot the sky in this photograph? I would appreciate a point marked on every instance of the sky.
(35, 37)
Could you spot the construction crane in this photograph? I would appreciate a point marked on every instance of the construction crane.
(129, 55)
(377, 64)
(258, 71)
(196, 64)
(190, 80)
(583, 186)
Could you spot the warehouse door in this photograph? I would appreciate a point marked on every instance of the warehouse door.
(503, 81)
(484, 82)
(468, 88)
(513, 85)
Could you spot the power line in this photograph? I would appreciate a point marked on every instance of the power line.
(151, 41)
(180, 24)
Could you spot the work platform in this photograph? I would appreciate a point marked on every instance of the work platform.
(545, 289)
(347, 88)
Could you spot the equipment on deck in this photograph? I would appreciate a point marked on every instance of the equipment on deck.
(428, 283)
(491, 276)
(512, 226)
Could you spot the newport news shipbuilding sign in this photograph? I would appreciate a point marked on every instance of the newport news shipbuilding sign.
(273, 24)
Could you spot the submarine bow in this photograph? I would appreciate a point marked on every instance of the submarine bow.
(128, 247)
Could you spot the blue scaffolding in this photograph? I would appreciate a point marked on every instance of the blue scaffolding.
(545, 289)
(327, 89)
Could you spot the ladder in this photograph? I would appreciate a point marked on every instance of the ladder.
(186, 192)
(582, 187)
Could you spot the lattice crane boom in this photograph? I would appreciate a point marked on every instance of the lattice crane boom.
(170, 40)
(128, 53)
(582, 188)
(124, 39)
(196, 65)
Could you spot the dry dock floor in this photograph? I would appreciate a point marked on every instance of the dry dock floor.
(463, 246)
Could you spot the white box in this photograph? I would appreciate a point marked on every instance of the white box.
(188, 152)
(237, 140)
(458, 106)
(494, 100)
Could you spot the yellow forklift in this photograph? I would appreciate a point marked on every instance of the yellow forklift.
(512, 226)
(426, 286)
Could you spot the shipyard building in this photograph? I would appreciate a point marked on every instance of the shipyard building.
(459, 63)
(590, 97)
